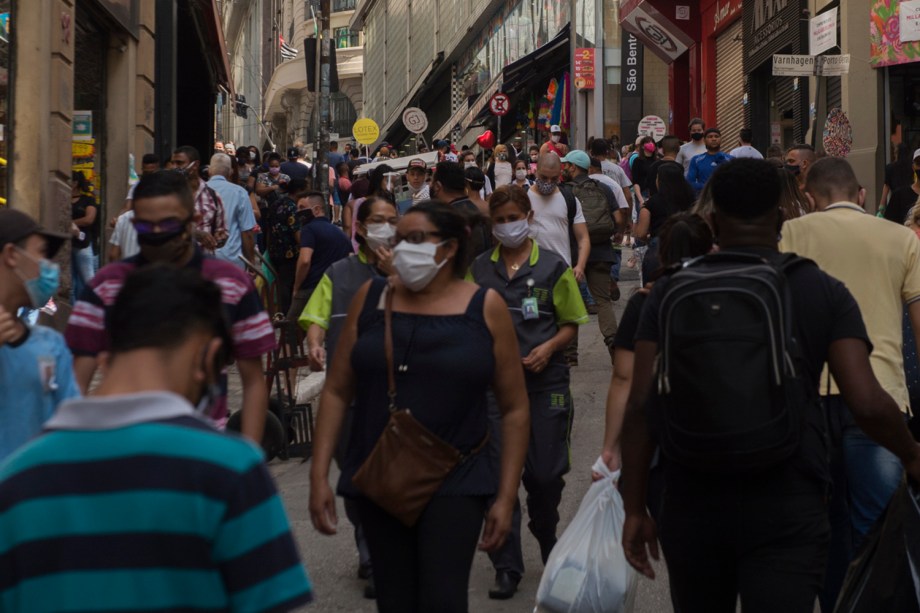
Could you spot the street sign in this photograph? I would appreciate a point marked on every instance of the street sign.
(834, 65)
(584, 68)
(823, 32)
(500, 104)
(415, 120)
(366, 131)
(793, 65)
(654, 126)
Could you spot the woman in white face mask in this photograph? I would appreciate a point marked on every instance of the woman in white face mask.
(520, 175)
(452, 341)
(546, 307)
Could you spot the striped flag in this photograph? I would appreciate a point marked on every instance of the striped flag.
(287, 52)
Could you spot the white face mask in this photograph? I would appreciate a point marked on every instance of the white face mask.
(520, 174)
(469, 164)
(556, 138)
(379, 235)
(415, 264)
(513, 233)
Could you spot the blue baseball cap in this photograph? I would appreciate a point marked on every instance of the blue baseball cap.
(579, 158)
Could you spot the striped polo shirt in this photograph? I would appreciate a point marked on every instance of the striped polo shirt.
(132, 503)
(250, 327)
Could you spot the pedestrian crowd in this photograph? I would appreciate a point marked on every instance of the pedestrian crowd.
(762, 376)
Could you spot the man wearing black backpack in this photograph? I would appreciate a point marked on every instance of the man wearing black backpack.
(603, 214)
(740, 338)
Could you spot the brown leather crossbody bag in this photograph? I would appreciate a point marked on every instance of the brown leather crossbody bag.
(408, 463)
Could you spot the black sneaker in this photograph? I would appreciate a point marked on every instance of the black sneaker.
(505, 585)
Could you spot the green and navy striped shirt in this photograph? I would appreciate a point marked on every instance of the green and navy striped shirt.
(132, 503)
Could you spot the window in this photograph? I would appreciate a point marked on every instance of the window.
(343, 5)
(345, 38)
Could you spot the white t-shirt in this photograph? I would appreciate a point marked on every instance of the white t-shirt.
(125, 236)
(550, 227)
(688, 151)
(621, 199)
(746, 151)
(615, 172)
(504, 173)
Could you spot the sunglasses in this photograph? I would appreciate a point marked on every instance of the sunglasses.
(169, 225)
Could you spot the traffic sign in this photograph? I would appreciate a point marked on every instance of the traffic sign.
(415, 120)
(834, 65)
(652, 125)
(366, 131)
(500, 104)
(793, 65)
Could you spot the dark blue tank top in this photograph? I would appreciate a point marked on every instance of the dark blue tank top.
(444, 365)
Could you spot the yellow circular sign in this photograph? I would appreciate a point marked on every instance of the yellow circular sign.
(366, 131)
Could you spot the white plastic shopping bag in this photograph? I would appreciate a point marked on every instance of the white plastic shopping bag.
(587, 571)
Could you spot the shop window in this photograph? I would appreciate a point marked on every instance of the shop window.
(345, 38)
(5, 97)
(343, 5)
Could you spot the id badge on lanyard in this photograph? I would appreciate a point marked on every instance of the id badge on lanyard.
(529, 306)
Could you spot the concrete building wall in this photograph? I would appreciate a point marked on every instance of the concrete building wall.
(656, 93)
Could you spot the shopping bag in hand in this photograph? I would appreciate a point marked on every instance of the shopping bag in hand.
(587, 571)
(885, 576)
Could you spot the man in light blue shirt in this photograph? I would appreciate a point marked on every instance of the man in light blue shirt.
(36, 368)
(237, 211)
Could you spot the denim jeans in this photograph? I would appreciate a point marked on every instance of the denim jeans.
(83, 270)
(615, 267)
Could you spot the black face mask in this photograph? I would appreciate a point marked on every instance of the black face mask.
(304, 216)
(697, 136)
(164, 247)
(793, 168)
(157, 239)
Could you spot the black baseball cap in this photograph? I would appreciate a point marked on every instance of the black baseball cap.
(293, 153)
(16, 225)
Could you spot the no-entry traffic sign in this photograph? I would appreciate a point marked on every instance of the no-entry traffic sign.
(500, 104)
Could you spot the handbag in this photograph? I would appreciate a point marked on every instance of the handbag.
(408, 463)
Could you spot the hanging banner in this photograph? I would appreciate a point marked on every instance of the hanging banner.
(910, 21)
(823, 32)
(887, 45)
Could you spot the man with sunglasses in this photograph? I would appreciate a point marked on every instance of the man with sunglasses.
(165, 218)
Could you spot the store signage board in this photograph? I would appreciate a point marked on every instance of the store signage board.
(366, 131)
(654, 126)
(793, 65)
(909, 20)
(823, 32)
(415, 120)
(584, 68)
(500, 104)
(656, 31)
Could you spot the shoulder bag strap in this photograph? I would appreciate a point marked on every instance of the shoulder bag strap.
(388, 347)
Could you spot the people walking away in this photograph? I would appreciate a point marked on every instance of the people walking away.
(333, 157)
(670, 148)
(283, 245)
(149, 506)
(546, 309)
(674, 196)
(881, 267)
(210, 221)
(36, 368)
(904, 198)
(600, 149)
(438, 322)
(703, 165)
(475, 182)
(799, 159)
(85, 217)
(448, 184)
(294, 169)
(742, 441)
(603, 213)
(164, 210)
(321, 245)
(744, 148)
(554, 144)
(323, 320)
(238, 212)
(695, 146)
(500, 171)
(898, 174)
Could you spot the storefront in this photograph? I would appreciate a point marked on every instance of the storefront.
(898, 58)
(723, 68)
(777, 107)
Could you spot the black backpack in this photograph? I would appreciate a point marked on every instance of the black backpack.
(733, 390)
(596, 209)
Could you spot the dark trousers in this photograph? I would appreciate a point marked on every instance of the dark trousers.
(284, 284)
(427, 567)
(546, 463)
(764, 538)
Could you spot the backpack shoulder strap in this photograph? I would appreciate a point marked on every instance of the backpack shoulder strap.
(790, 261)
(569, 197)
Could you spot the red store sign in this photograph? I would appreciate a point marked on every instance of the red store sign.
(719, 16)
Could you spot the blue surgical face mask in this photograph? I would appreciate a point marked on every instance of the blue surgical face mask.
(44, 286)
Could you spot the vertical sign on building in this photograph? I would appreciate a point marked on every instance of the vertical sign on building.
(630, 87)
